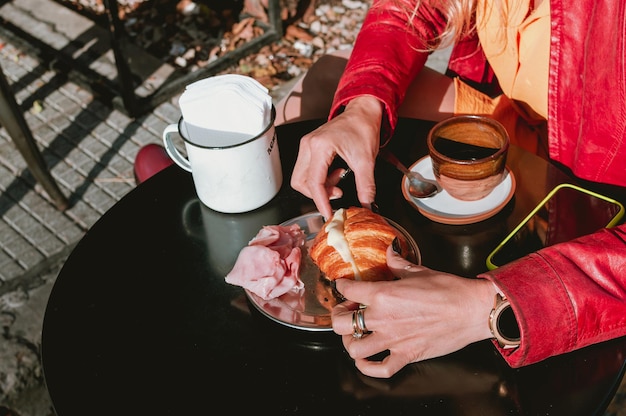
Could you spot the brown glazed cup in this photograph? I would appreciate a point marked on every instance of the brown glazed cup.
(468, 154)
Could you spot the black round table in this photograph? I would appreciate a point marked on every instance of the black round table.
(141, 322)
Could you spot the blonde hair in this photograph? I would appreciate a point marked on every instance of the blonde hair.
(459, 16)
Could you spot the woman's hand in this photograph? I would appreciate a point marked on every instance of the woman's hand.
(354, 135)
(423, 315)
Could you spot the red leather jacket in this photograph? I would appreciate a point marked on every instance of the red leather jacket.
(569, 295)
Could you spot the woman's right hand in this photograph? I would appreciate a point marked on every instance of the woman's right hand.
(354, 135)
(424, 314)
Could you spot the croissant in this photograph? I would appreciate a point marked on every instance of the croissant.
(353, 245)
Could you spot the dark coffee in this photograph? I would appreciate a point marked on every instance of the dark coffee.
(462, 151)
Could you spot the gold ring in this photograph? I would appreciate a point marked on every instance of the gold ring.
(357, 332)
(360, 320)
(345, 173)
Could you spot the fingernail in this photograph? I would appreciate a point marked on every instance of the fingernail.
(345, 173)
(374, 207)
(395, 246)
(338, 295)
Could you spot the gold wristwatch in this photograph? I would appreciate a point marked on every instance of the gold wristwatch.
(503, 324)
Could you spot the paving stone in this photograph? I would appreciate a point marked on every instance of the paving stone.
(10, 269)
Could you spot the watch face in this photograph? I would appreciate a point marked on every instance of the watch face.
(507, 326)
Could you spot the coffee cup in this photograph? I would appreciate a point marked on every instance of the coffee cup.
(232, 172)
(468, 155)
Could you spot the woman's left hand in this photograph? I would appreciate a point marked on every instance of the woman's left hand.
(424, 314)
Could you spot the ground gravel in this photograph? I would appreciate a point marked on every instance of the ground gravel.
(190, 34)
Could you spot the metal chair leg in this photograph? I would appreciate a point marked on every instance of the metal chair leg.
(12, 118)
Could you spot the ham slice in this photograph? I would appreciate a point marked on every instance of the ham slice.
(269, 266)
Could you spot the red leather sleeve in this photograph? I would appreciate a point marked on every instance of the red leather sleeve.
(566, 296)
(387, 55)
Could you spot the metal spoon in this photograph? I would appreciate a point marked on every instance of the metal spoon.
(419, 186)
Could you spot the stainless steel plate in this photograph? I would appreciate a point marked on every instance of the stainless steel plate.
(309, 309)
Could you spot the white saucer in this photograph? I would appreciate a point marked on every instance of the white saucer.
(445, 209)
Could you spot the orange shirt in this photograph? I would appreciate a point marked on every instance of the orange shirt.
(517, 46)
